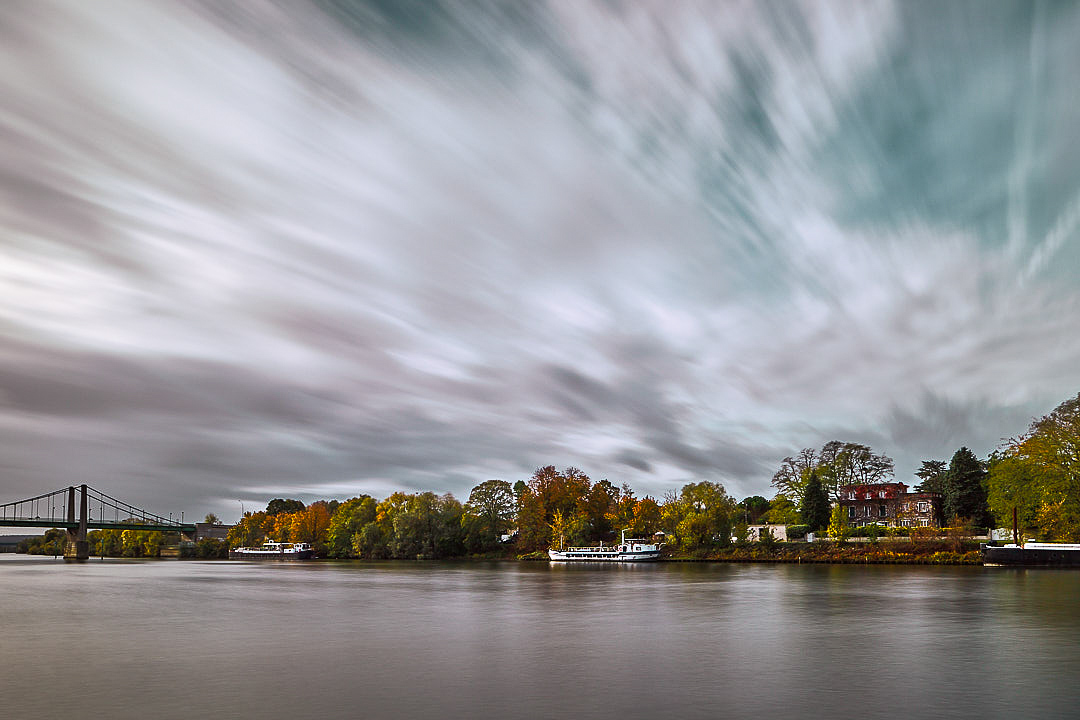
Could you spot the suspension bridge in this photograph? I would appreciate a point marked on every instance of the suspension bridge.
(96, 511)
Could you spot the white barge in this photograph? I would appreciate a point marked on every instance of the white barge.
(628, 550)
(274, 551)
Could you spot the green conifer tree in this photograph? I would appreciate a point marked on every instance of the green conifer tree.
(965, 490)
(815, 505)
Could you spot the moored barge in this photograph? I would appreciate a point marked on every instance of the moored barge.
(274, 551)
(1032, 554)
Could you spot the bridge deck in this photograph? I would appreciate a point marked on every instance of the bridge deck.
(94, 525)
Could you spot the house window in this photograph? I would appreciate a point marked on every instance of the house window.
(851, 496)
(867, 510)
(882, 511)
(923, 522)
(881, 494)
(851, 511)
(924, 507)
(869, 496)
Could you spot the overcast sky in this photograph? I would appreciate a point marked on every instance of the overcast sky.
(316, 250)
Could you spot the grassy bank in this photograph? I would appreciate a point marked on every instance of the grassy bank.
(883, 552)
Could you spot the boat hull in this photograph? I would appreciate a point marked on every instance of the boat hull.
(1040, 555)
(617, 557)
(269, 555)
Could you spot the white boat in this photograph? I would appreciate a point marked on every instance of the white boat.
(273, 550)
(628, 550)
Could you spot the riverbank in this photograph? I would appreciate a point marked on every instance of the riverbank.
(886, 552)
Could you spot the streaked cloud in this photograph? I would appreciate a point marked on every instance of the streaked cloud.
(335, 248)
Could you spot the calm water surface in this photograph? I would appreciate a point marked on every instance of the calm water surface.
(169, 639)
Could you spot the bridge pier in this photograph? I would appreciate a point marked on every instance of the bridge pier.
(76, 548)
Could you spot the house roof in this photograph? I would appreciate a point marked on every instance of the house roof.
(873, 490)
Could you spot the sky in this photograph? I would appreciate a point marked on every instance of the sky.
(312, 250)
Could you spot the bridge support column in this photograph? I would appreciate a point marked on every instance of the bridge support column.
(77, 548)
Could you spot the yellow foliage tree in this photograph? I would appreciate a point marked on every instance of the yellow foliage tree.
(838, 524)
(1039, 474)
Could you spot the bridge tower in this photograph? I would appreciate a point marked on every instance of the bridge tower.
(77, 548)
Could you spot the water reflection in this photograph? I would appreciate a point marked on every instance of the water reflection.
(389, 640)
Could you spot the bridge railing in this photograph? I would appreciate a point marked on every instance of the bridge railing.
(31, 508)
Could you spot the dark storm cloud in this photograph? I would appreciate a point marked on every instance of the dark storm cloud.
(255, 250)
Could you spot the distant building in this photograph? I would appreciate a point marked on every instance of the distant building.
(889, 504)
(208, 530)
(753, 532)
(8, 543)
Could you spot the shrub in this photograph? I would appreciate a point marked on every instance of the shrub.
(211, 548)
(797, 532)
(922, 534)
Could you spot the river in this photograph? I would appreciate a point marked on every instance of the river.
(186, 639)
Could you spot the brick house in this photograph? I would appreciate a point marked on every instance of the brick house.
(889, 504)
(921, 510)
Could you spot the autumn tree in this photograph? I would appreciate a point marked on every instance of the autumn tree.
(278, 506)
(53, 542)
(647, 517)
(311, 524)
(568, 530)
(1038, 473)
(838, 524)
(281, 526)
(488, 514)
(252, 530)
(349, 519)
(851, 464)
(701, 515)
(790, 479)
(837, 464)
(550, 491)
(534, 530)
(672, 511)
(782, 511)
(600, 507)
(429, 525)
(621, 516)
(373, 541)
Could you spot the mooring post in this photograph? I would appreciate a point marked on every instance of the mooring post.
(77, 548)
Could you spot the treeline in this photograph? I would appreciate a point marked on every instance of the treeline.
(123, 543)
(51, 543)
(553, 507)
